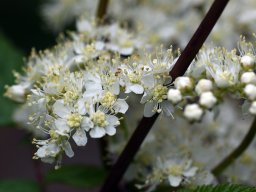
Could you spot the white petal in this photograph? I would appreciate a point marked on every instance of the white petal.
(67, 148)
(110, 130)
(191, 172)
(112, 120)
(80, 137)
(167, 108)
(138, 89)
(126, 51)
(86, 124)
(61, 126)
(97, 132)
(99, 45)
(41, 152)
(120, 106)
(81, 107)
(174, 180)
(115, 88)
(148, 109)
(148, 81)
(145, 97)
(60, 109)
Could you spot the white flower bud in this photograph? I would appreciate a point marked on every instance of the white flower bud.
(252, 108)
(207, 99)
(193, 112)
(203, 85)
(16, 93)
(183, 83)
(174, 96)
(248, 61)
(250, 91)
(248, 77)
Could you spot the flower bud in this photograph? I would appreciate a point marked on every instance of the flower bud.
(248, 77)
(252, 108)
(203, 85)
(183, 83)
(16, 93)
(207, 99)
(250, 91)
(247, 61)
(193, 112)
(174, 96)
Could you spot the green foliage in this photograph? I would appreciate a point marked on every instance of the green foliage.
(18, 185)
(77, 176)
(10, 59)
(221, 188)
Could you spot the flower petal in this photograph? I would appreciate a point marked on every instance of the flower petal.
(148, 109)
(61, 126)
(110, 130)
(80, 137)
(112, 120)
(67, 148)
(97, 132)
(137, 89)
(60, 109)
(174, 180)
(120, 106)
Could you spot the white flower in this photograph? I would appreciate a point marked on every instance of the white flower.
(224, 68)
(174, 95)
(100, 123)
(17, 92)
(207, 99)
(156, 101)
(203, 85)
(70, 119)
(183, 83)
(248, 78)
(252, 108)
(193, 112)
(248, 61)
(250, 91)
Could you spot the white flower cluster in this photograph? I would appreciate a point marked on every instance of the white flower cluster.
(75, 89)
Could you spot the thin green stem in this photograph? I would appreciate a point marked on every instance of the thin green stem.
(102, 9)
(237, 152)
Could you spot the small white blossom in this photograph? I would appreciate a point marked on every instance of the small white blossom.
(174, 95)
(183, 83)
(203, 85)
(248, 61)
(17, 92)
(193, 112)
(207, 99)
(252, 108)
(248, 78)
(250, 91)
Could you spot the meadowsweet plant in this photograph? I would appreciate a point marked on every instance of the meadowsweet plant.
(99, 77)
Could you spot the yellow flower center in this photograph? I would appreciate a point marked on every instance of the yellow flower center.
(74, 120)
(99, 119)
(160, 93)
(108, 99)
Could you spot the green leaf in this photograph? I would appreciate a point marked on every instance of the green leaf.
(221, 188)
(18, 185)
(10, 59)
(77, 176)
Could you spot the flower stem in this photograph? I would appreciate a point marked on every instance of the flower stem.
(102, 9)
(180, 68)
(237, 152)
